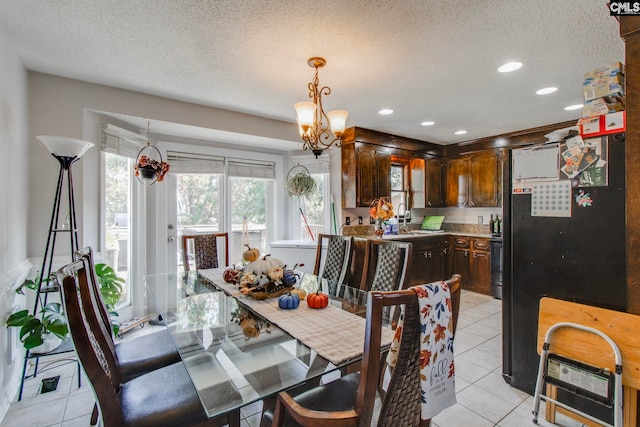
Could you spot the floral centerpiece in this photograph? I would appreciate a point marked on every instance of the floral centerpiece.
(261, 277)
(381, 210)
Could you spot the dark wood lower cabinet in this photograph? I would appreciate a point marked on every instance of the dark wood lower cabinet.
(471, 259)
(430, 260)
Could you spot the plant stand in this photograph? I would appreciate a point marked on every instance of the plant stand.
(44, 287)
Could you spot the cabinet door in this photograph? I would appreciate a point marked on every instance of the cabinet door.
(382, 177)
(485, 179)
(460, 261)
(367, 183)
(434, 183)
(457, 182)
(481, 271)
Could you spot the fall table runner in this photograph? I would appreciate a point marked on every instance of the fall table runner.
(335, 334)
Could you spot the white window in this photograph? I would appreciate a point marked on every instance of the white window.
(120, 205)
(313, 212)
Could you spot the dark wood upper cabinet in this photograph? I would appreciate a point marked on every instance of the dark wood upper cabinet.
(365, 174)
(474, 180)
(485, 179)
(457, 182)
(434, 183)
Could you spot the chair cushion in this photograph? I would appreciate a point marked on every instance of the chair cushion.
(164, 397)
(338, 395)
(145, 354)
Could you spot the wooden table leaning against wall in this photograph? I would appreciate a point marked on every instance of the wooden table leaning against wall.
(249, 350)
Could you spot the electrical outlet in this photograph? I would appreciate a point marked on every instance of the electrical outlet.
(359, 220)
(480, 219)
(348, 220)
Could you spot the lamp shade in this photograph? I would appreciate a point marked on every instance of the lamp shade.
(62, 146)
(338, 121)
(306, 112)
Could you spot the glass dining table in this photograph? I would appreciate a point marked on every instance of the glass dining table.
(238, 350)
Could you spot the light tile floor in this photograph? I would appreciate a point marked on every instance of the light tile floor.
(484, 399)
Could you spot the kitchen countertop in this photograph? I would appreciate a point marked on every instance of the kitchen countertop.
(412, 236)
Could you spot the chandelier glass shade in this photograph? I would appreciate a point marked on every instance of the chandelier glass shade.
(319, 130)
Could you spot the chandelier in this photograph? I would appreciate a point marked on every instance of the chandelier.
(313, 122)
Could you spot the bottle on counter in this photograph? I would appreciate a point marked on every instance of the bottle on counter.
(393, 224)
(491, 225)
(498, 225)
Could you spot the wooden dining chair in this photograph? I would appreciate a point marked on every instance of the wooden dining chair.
(350, 400)
(142, 354)
(163, 397)
(387, 265)
(205, 250)
(337, 258)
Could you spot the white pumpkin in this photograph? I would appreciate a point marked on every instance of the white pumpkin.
(262, 265)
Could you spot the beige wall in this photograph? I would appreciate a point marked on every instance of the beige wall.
(14, 179)
(59, 106)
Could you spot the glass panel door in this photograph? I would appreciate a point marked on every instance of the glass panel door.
(249, 202)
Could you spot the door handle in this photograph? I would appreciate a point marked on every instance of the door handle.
(171, 239)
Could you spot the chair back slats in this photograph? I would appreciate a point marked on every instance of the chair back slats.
(337, 258)
(387, 265)
(401, 402)
(100, 305)
(205, 250)
(97, 360)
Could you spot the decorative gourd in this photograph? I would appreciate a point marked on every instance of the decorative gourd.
(251, 254)
(261, 279)
(288, 301)
(300, 292)
(317, 300)
(249, 327)
(289, 278)
(247, 279)
(230, 275)
(262, 265)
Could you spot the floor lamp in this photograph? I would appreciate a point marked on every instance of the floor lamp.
(67, 151)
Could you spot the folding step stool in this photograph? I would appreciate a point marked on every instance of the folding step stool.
(543, 378)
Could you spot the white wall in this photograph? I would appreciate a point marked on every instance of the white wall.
(14, 182)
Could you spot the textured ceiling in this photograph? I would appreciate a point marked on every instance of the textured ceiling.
(425, 59)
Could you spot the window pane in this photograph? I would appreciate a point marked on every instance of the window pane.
(397, 178)
(198, 197)
(248, 201)
(198, 202)
(314, 207)
(117, 188)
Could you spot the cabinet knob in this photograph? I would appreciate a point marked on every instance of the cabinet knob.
(427, 254)
(466, 252)
(444, 251)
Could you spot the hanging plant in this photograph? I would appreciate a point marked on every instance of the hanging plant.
(299, 182)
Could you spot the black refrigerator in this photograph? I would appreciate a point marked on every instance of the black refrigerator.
(581, 258)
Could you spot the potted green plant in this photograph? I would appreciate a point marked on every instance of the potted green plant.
(51, 323)
(299, 182)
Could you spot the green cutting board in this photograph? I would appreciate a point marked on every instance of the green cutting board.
(433, 222)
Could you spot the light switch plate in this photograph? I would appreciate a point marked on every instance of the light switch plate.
(480, 219)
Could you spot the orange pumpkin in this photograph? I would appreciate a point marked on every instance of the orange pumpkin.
(251, 254)
(317, 300)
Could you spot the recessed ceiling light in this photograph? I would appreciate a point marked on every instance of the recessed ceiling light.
(510, 66)
(546, 90)
(573, 107)
(460, 132)
(385, 111)
(429, 123)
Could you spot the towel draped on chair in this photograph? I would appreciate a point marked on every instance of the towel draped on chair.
(437, 379)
